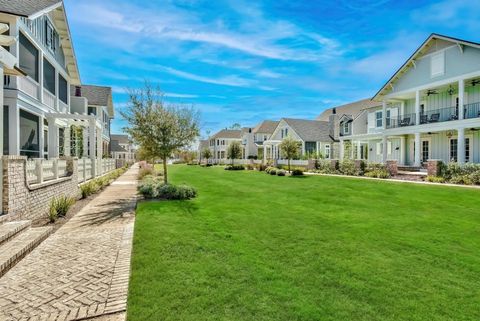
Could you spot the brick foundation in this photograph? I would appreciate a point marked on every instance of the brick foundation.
(334, 164)
(433, 167)
(24, 201)
(392, 167)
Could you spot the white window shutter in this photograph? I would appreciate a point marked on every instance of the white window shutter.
(371, 120)
(437, 64)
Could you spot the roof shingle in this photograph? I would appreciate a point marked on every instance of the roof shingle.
(25, 8)
(310, 130)
(266, 127)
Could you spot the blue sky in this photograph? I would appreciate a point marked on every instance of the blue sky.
(240, 61)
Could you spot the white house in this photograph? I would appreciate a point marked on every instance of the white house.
(428, 109)
(314, 135)
(253, 138)
(122, 148)
(219, 142)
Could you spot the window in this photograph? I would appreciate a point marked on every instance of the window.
(61, 141)
(327, 151)
(346, 128)
(286, 132)
(62, 89)
(453, 149)
(389, 114)
(50, 36)
(264, 137)
(378, 119)
(425, 150)
(310, 147)
(48, 76)
(92, 110)
(282, 133)
(28, 57)
(379, 148)
(5, 131)
(467, 150)
(437, 64)
(29, 136)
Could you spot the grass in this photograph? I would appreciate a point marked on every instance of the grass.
(259, 247)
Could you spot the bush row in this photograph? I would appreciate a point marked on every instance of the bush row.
(153, 187)
(348, 167)
(96, 184)
(468, 174)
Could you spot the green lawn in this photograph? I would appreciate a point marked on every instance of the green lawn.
(260, 247)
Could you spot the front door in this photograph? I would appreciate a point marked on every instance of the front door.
(425, 151)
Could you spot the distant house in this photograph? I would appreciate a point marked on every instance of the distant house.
(218, 143)
(122, 148)
(314, 136)
(253, 138)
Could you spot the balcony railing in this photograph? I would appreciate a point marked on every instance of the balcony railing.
(401, 121)
(28, 86)
(62, 107)
(49, 99)
(472, 110)
(41, 170)
(439, 115)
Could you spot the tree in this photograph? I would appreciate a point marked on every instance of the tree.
(289, 148)
(235, 126)
(207, 153)
(158, 129)
(234, 151)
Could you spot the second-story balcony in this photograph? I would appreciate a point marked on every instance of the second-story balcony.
(434, 116)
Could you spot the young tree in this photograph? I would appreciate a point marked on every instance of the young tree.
(235, 126)
(158, 129)
(289, 148)
(234, 151)
(207, 153)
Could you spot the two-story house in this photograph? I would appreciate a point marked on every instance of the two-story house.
(314, 136)
(260, 133)
(37, 115)
(122, 148)
(429, 108)
(219, 142)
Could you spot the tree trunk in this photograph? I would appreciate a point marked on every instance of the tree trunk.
(289, 165)
(165, 171)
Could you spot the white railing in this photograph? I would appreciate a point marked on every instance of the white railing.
(49, 99)
(108, 165)
(62, 107)
(293, 162)
(41, 170)
(86, 166)
(28, 86)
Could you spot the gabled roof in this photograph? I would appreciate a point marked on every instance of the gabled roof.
(28, 8)
(115, 147)
(351, 109)
(121, 139)
(228, 133)
(310, 130)
(96, 96)
(423, 49)
(266, 127)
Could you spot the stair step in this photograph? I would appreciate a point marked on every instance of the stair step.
(14, 250)
(10, 229)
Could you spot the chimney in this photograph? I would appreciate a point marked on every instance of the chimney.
(333, 125)
(334, 111)
(78, 91)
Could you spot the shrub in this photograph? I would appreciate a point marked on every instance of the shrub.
(262, 167)
(149, 186)
(324, 166)
(435, 179)
(172, 192)
(297, 172)
(269, 169)
(235, 168)
(59, 207)
(250, 167)
(461, 179)
(347, 167)
(475, 177)
(281, 172)
(378, 173)
(144, 172)
(273, 171)
(89, 188)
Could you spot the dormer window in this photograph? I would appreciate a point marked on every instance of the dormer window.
(50, 36)
(346, 128)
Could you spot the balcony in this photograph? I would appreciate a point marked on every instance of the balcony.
(472, 110)
(49, 99)
(401, 121)
(439, 115)
(28, 86)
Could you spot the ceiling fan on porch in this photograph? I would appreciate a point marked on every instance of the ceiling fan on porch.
(475, 82)
(450, 90)
(432, 92)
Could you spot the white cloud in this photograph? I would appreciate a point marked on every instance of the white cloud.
(176, 95)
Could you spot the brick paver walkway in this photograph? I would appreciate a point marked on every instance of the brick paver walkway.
(82, 270)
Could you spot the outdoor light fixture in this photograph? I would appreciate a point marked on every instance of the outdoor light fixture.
(450, 90)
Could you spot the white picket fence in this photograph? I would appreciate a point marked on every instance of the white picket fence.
(42, 170)
(293, 162)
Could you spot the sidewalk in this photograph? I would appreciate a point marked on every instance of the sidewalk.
(83, 269)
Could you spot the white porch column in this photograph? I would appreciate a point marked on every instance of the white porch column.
(91, 138)
(417, 162)
(41, 138)
(342, 149)
(264, 152)
(461, 146)
(52, 138)
(67, 141)
(352, 149)
(359, 148)
(461, 98)
(417, 107)
(99, 151)
(14, 129)
(85, 142)
(402, 150)
(384, 114)
(384, 149)
(303, 148)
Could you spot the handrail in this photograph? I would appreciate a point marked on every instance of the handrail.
(401, 121)
(472, 110)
